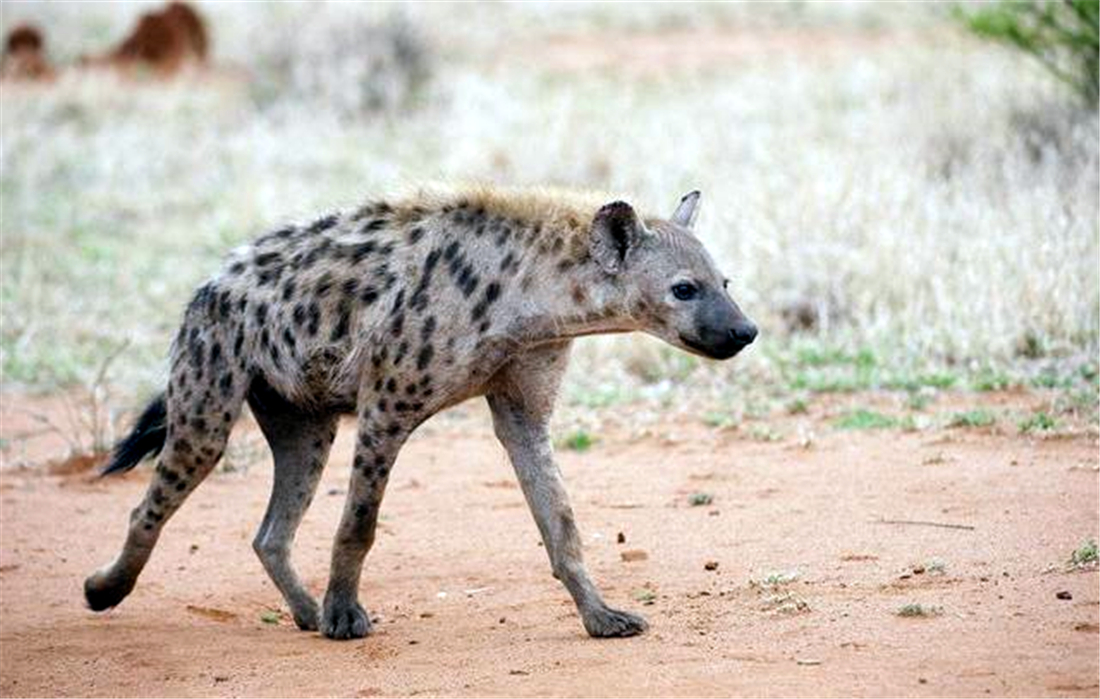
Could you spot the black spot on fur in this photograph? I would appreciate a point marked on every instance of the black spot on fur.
(261, 313)
(324, 284)
(204, 299)
(428, 328)
(391, 385)
(314, 319)
(368, 295)
(415, 234)
(388, 278)
(424, 358)
(237, 268)
(299, 314)
(322, 224)
(196, 351)
(269, 276)
(399, 355)
(349, 287)
(267, 258)
(492, 293)
(288, 289)
(315, 253)
(343, 321)
(360, 251)
(224, 305)
(373, 225)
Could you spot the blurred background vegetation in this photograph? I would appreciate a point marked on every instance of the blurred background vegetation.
(901, 204)
(1063, 36)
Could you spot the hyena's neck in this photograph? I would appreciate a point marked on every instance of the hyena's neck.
(566, 295)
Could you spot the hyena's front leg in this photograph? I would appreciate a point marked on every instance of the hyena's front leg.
(522, 400)
(375, 450)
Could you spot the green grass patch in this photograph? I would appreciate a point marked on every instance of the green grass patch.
(1038, 422)
(990, 379)
(578, 440)
(700, 499)
(863, 419)
(914, 382)
(1085, 555)
(830, 356)
(979, 417)
(719, 420)
(798, 406)
(914, 610)
(783, 577)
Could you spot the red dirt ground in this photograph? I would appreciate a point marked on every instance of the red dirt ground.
(467, 606)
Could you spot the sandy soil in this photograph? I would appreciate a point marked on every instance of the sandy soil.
(466, 605)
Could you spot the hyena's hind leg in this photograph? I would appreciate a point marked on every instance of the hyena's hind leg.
(300, 441)
(203, 400)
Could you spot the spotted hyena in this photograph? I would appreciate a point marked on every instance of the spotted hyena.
(393, 313)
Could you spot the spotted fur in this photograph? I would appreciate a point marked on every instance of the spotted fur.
(393, 312)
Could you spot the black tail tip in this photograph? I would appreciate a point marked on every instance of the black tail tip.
(148, 437)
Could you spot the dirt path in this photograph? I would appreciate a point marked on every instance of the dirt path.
(466, 604)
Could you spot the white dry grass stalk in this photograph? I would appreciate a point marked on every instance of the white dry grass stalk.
(927, 195)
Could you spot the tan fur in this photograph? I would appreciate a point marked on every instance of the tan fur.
(395, 312)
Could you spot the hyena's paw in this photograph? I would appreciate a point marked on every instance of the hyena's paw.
(307, 614)
(102, 592)
(606, 622)
(344, 619)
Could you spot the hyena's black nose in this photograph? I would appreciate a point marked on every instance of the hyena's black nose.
(743, 333)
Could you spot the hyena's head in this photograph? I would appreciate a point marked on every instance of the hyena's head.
(675, 290)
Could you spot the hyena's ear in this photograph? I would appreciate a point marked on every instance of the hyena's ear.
(616, 231)
(687, 211)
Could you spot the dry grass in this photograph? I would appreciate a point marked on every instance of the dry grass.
(871, 174)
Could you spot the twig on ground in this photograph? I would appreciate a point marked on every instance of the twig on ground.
(925, 523)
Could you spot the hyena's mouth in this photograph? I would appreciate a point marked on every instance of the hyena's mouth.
(726, 350)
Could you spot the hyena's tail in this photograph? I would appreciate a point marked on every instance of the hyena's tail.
(147, 437)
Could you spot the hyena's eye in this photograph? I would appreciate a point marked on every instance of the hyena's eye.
(685, 291)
